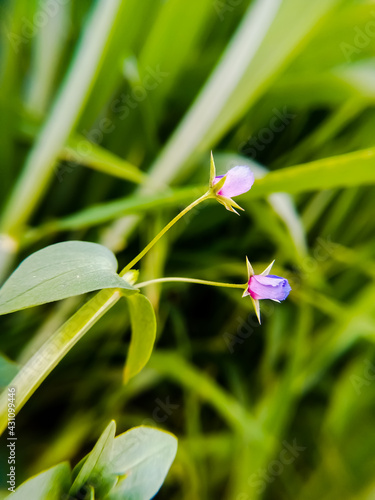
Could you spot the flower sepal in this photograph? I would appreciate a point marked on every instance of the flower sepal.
(265, 286)
(212, 170)
(236, 181)
(216, 187)
(229, 204)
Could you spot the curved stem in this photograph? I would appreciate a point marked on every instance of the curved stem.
(136, 259)
(190, 280)
(40, 365)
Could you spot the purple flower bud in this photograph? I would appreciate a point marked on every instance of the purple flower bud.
(238, 181)
(268, 287)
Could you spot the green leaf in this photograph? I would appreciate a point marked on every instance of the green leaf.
(173, 58)
(253, 58)
(100, 159)
(52, 484)
(143, 455)
(143, 323)
(60, 271)
(282, 204)
(103, 212)
(93, 469)
(129, 26)
(349, 170)
(8, 370)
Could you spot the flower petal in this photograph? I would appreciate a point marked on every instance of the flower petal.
(267, 271)
(268, 287)
(256, 308)
(238, 180)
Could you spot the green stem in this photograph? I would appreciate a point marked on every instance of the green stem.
(136, 259)
(54, 349)
(189, 280)
(179, 370)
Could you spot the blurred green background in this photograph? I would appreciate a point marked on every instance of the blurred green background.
(108, 112)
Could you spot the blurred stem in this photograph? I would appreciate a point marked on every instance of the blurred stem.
(136, 259)
(326, 132)
(190, 280)
(54, 349)
(47, 52)
(67, 108)
(177, 369)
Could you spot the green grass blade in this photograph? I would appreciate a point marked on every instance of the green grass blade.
(143, 325)
(54, 349)
(38, 169)
(105, 212)
(100, 159)
(352, 169)
(204, 114)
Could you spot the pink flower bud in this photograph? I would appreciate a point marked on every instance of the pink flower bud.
(268, 287)
(238, 180)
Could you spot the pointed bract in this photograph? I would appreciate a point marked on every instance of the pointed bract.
(267, 271)
(218, 185)
(212, 170)
(236, 181)
(256, 308)
(265, 286)
(250, 270)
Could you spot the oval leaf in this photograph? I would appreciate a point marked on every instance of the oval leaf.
(143, 455)
(52, 484)
(143, 324)
(60, 271)
(93, 471)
